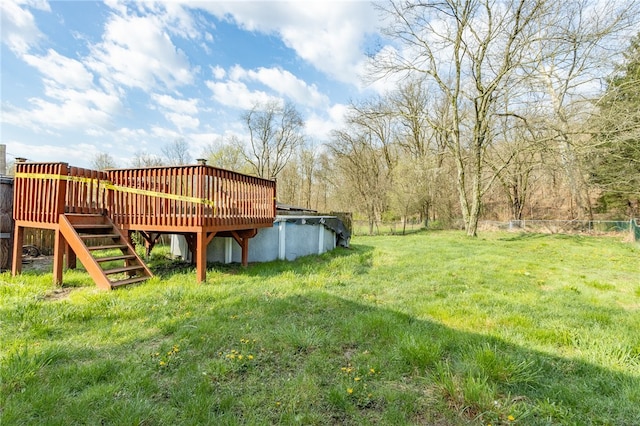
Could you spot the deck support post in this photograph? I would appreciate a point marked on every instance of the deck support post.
(130, 240)
(58, 256)
(242, 238)
(191, 244)
(202, 242)
(70, 257)
(150, 240)
(18, 242)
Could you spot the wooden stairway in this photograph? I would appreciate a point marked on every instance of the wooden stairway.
(93, 237)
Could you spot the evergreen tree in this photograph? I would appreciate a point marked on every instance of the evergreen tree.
(616, 159)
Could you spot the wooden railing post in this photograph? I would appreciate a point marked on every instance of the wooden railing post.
(59, 242)
(62, 190)
(109, 204)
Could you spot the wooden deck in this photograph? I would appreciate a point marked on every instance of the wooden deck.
(197, 201)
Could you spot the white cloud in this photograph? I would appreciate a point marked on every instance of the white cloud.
(320, 127)
(199, 142)
(67, 114)
(218, 72)
(165, 134)
(62, 70)
(286, 84)
(79, 154)
(329, 35)
(127, 133)
(72, 100)
(178, 111)
(17, 25)
(237, 95)
(104, 102)
(137, 51)
(185, 106)
(234, 91)
(183, 121)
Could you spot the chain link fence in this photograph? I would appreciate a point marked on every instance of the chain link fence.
(361, 227)
(595, 227)
(571, 226)
(635, 226)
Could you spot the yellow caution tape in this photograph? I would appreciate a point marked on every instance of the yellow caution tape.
(40, 176)
(108, 185)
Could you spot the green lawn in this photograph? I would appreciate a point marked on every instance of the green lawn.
(429, 328)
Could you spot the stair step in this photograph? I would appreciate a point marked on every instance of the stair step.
(89, 236)
(108, 247)
(110, 258)
(92, 226)
(123, 269)
(86, 233)
(115, 284)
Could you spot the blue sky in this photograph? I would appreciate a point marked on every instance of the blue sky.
(83, 77)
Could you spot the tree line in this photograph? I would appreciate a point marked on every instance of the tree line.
(496, 109)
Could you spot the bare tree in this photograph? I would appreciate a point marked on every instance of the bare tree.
(144, 159)
(103, 161)
(365, 155)
(568, 73)
(375, 117)
(227, 155)
(275, 133)
(408, 192)
(468, 49)
(324, 183)
(420, 147)
(177, 153)
(307, 160)
(289, 189)
(519, 147)
(475, 54)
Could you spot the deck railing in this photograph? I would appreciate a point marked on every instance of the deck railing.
(188, 196)
(87, 191)
(159, 197)
(39, 192)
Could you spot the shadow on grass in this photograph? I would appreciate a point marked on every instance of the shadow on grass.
(166, 268)
(311, 358)
(395, 233)
(527, 236)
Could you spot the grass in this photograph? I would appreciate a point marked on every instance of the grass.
(429, 328)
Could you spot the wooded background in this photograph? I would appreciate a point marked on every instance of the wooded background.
(494, 110)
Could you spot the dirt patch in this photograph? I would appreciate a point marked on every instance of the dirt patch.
(44, 264)
(58, 294)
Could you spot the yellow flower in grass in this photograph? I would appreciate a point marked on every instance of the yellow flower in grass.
(511, 418)
(349, 391)
(162, 363)
(357, 379)
(250, 356)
